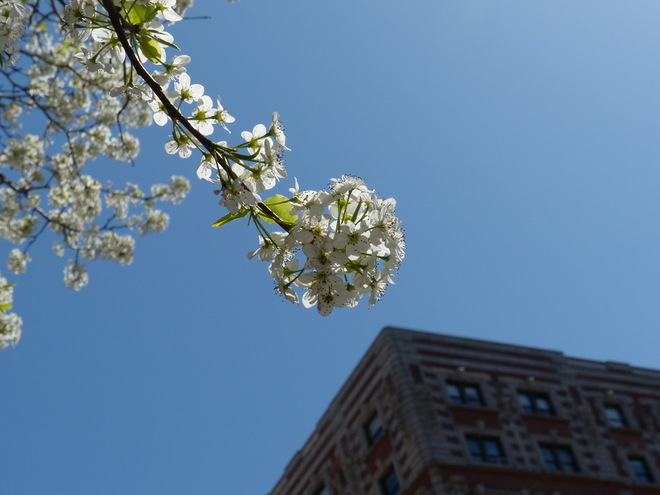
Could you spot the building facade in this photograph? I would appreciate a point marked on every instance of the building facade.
(429, 414)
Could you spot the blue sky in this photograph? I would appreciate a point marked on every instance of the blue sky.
(520, 139)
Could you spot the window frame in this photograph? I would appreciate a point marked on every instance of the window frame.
(620, 420)
(483, 453)
(386, 479)
(646, 474)
(372, 434)
(533, 399)
(561, 456)
(463, 397)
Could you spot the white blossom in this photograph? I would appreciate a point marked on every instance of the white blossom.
(12, 25)
(203, 116)
(75, 275)
(166, 10)
(18, 260)
(222, 116)
(185, 91)
(10, 329)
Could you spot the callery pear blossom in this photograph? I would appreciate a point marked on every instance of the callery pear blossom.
(340, 261)
(106, 67)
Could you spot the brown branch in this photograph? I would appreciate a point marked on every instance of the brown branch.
(118, 24)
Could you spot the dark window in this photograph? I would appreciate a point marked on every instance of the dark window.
(535, 403)
(615, 417)
(389, 484)
(483, 449)
(559, 458)
(463, 393)
(640, 470)
(373, 429)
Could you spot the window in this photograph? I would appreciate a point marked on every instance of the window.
(463, 393)
(615, 417)
(535, 403)
(389, 484)
(373, 429)
(559, 458)
(640, 470)
(483, 449)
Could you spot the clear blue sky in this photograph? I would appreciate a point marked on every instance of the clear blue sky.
(521, 140)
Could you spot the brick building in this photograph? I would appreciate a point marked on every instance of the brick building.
(429, 414)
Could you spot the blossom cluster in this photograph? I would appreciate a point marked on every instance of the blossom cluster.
(337, 246)
(12, 26)
(344, 244)
(47, 188)
(10, 323)
(91, 70)
(242, 170)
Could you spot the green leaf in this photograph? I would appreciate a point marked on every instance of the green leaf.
(5, 307)
(171, 45)
(140, 14)
(282, 208)
(151, 48)
(229, 217)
